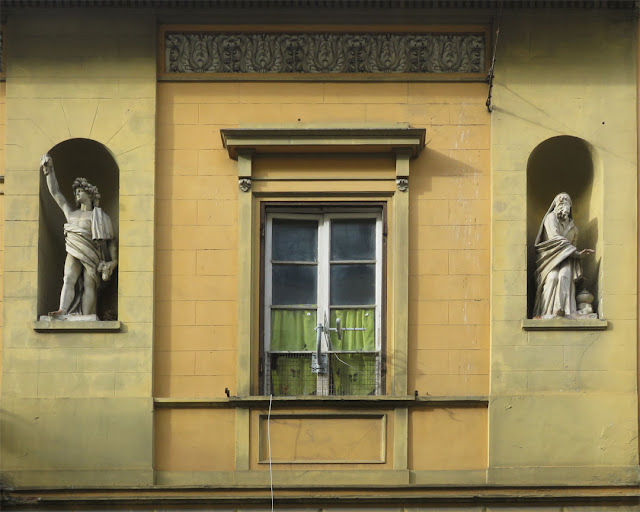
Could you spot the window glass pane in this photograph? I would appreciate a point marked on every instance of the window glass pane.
(294, 284)
(295, 240)
(353, 284)
(354, 318)
(353, 239)
(293, 329)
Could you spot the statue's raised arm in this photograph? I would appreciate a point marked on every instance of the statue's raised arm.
(46, 166)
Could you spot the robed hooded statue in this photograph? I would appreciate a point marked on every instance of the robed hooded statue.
(558, 265)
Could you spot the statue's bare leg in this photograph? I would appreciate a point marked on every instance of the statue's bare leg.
(89, 297)
(72, 270)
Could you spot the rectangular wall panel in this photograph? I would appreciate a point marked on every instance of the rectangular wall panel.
(323, 439)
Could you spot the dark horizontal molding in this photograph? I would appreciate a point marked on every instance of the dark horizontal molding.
(338, 402)
(331, 4)
(213, 53)
(371, 496)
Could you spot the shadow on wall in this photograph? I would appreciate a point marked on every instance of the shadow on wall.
(566, 164)
(75, 158)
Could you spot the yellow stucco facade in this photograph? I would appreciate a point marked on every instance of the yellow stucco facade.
(479, 407)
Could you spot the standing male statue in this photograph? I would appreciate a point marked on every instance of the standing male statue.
(558, 265)
(89, 241)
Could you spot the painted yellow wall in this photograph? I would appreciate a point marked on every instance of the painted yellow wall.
(3, 115)
(565, 398)
(449, 237)
(448, 439)
(196, 233)
(194, 440)
(77, 407)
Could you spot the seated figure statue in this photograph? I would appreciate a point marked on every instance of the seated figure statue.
(558, 265)
(90, 244)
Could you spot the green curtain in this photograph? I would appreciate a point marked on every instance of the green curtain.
(354, 374)
(354, 340)
(293, 329)
(291, 373)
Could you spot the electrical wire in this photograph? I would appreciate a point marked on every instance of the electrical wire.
(491, 74)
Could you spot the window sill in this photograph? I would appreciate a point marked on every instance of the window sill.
(69, 326)
(563, 324)
(324, 401)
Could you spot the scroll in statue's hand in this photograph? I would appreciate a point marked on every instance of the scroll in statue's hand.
(46, 164)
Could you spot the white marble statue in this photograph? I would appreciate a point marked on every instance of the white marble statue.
(90, 244)
(558, 265)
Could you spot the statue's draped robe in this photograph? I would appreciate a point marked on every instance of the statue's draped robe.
(557, 268)
(90, 248)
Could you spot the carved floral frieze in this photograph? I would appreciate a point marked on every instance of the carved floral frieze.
(1, 51)
(212, 52)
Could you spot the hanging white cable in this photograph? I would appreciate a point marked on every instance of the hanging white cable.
(269, 443)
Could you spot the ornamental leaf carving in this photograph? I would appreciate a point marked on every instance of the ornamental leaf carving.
(294, 49)
(326, 54)
(193, 52)
(262, 55)
(388, 55)
(358, 49)
(232, 53)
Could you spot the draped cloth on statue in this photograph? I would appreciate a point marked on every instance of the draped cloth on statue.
(557, 268)
(88, 247)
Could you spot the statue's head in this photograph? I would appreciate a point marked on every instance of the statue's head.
(562, 206)
(89, 189)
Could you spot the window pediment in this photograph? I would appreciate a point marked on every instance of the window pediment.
(388, 139)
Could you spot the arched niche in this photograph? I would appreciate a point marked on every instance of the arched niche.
(566, 164)
(74, 158)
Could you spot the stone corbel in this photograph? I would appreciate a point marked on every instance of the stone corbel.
(402, 169)
(245, 164)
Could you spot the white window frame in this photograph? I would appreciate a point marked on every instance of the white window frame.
(323, 279)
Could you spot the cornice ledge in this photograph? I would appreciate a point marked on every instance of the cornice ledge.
(323, 139)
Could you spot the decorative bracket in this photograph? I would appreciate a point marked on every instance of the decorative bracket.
(402, 184)
(244, 184)
(402, 168)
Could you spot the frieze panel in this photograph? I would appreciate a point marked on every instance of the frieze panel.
(1, 51)
(381, 53)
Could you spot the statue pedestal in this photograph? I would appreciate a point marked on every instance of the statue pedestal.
(69, 318)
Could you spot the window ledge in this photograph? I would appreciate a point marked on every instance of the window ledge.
(563, 324)
(70, 326)
(324, 401)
